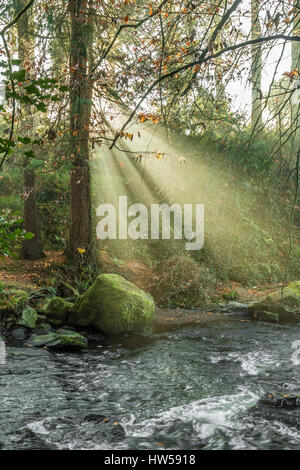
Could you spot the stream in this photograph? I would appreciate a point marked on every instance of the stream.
(186, 389)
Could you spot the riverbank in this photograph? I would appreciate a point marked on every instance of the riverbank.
(49, 272)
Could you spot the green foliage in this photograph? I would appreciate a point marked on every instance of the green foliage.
(23, 90)
(86, 277)
(11, 232)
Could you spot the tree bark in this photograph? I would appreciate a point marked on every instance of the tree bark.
(80, 102)
(256, 67)
(31, 249)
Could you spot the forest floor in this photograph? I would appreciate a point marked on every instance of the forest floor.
(33, 274)
(29, 274)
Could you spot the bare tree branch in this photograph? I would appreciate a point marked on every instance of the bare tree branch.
(199, 61)
(16, 18)
(124, 26)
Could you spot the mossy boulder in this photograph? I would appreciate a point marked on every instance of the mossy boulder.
(61, 339)
(114, 306)
(57, 310)
(28, 318)
(282, 305)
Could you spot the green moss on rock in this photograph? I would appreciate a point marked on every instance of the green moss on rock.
(62, 339)
(282, 305)
(113, 305)
(57, 310)
(28, 318)
(70, 338)
(42, 329)
(42, 304)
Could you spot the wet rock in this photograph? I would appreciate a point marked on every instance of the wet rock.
(28, 318)
(72, 338)
(235, 307)
(113, 305)
(279, 306)
(110, 428)
(20, 333)
(62, 339)
(50, 339)
(283, 407)
(26, 439)
(95, 418)
(42, 329)
(57, 310)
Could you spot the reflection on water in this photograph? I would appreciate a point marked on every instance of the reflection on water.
(188, 389)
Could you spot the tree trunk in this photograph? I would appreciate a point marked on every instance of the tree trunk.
(31, 249)
(80, 193)
(256, 67)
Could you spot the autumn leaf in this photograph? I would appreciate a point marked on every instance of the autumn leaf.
(143, 118)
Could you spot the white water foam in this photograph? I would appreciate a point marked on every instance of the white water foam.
(206, 416)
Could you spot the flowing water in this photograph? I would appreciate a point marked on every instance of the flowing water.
(187, 389)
